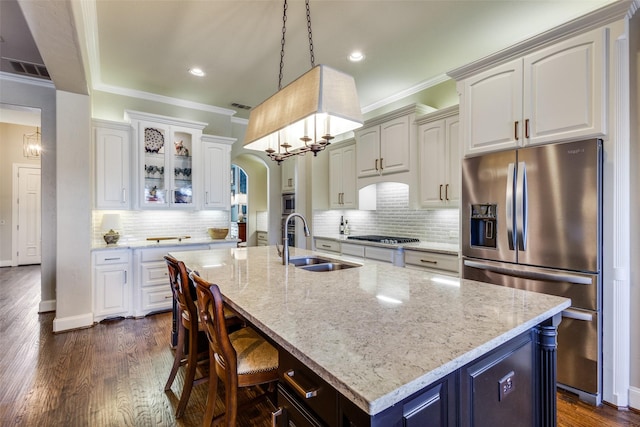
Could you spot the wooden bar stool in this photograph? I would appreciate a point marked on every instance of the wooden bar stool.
(241, 358)
(188, 327)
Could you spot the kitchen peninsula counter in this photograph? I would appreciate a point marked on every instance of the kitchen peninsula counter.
(376, 333)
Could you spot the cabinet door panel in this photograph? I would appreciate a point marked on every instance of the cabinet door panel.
(492, 104)
(394, 146)
(111, 290)
(335, 179)
(368, 146)
(112, 160)
(432, 166)
(216, 176)
(349, 186)
(453, 159)
(563, 87)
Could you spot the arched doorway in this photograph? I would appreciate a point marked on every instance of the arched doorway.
(250, 202)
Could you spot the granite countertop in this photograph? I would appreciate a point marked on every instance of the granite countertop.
(135, 244)
(444, 248)
(377, 333)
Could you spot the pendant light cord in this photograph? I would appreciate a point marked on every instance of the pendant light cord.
(282, 41)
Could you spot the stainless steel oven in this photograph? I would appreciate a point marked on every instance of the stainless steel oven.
(288, 203)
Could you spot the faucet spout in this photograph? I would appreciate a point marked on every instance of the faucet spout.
(285, 240)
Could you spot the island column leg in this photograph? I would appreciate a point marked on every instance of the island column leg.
(547, 333)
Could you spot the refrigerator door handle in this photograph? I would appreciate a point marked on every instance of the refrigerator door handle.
(521, 206)
(577, 315)
(535, 275)
(511, 171)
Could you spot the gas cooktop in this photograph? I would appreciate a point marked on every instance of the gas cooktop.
(384, 239)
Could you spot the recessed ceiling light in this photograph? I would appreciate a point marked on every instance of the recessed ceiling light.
(356, 56)
(197, 71)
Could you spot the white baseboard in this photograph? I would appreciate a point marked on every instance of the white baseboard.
(6, 263)
(46, 306)
(634, 398)
(72, 322)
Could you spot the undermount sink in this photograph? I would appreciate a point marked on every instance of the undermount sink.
(315, 263)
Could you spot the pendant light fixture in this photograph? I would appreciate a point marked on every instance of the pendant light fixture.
(308, 113)
(31, 144)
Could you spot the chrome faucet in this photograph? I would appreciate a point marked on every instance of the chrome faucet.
(285, 241)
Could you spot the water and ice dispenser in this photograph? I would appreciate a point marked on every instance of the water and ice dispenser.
(484, 225)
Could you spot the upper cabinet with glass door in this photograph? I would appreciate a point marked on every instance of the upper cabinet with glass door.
(166, 148)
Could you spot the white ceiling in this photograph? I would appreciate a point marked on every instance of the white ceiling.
(148, 45)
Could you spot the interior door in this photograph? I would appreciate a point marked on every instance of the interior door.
(28, 227)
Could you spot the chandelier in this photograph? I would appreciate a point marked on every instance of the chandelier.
(308, 113)
(31, 144)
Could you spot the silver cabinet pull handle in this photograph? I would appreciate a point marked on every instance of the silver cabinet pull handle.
(274, 417)
(376, 164)
(124, 195)
(306, 390)
(446, 192)
(440, 191)
(381, 159)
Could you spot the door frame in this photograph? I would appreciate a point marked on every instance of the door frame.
(14, 208)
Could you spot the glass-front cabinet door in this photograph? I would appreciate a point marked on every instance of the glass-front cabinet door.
(166, 149)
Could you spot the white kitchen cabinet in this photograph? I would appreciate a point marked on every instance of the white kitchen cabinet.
(168, 176)
(553, 94)
(112, 284)
(152, 291)
(431, 261)
(384, 148)
(288, 169)
(112, 160)
(216, 157)
(327, 245)
(439, 159)
(342, 176)
(262, 238)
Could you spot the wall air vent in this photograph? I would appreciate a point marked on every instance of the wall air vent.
(241, 106)
(29, 68)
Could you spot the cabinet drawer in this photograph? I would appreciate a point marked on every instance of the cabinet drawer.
(321, 398)
(430, 260)
(327, 245)
(353, 250)
(157, 298)
(380, 254)
(155, 273)
(157, 254)
(112, 257)
(262, 235)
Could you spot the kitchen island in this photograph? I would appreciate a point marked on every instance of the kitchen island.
(396, 345)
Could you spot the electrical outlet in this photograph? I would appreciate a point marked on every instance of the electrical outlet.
(453, 234)
(507, 385)
(2, 222)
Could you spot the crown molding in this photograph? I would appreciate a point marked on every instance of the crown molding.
(405, 93)
(34, 81)
(598, 18)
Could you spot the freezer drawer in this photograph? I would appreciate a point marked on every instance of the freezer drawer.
(579, 351)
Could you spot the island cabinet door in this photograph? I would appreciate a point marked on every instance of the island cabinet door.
(499, 389)
(435, 406)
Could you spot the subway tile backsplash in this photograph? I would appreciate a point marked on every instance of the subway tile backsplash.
(392, 217)
(138, 225)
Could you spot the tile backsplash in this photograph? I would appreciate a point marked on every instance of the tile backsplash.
(392, 217)
(138, 225)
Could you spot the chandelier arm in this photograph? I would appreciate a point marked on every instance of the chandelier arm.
(284, 30)
(313, 60)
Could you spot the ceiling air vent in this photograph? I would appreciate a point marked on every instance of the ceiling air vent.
(30, 69)
(241, 106)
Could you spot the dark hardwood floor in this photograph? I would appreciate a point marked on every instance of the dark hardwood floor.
(113, 374)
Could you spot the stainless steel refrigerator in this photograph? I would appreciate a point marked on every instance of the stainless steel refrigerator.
(532, 219)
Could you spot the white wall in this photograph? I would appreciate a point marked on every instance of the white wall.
(38, 94)
(74, 202)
